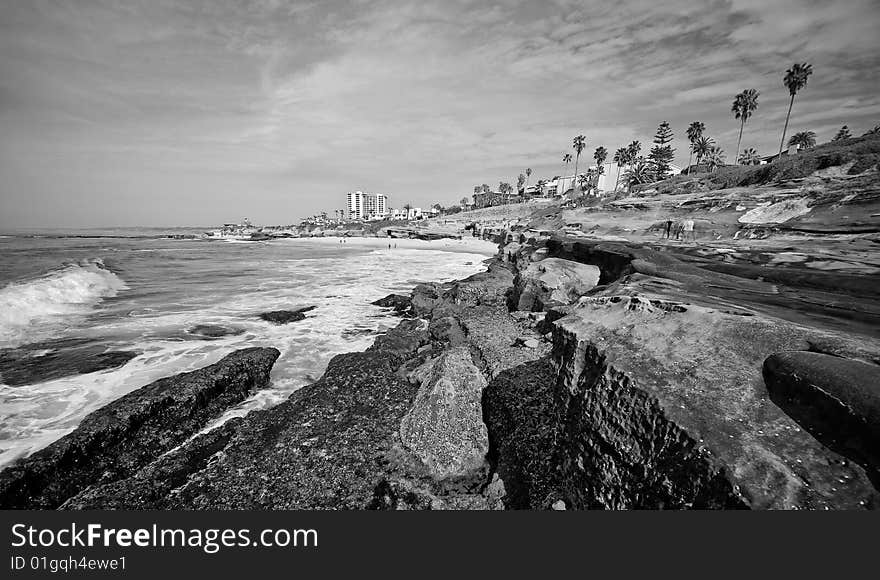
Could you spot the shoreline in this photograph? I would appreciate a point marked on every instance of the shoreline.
(479, 397)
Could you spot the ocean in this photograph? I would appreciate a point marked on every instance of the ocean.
(64, 293)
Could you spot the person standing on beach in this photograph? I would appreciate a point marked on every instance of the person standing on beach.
(668, 229)
(689, 228)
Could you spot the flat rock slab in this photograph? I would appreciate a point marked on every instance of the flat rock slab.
(286, 316)
(836, 399)
(123, 436)
(553, 280)
(41, 362)
(675, 394)
(445, 427)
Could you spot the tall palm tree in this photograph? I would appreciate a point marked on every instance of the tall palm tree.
(795, 79)
(579, 144)
(600, 155)
(694, 132)
(744, 104)
(804, 139)
(749, 157)
(584, 181)
(702, 146)
(633, 150)
(620, 159)
(566, 159)
(528, 175)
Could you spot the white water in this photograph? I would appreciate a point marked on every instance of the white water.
(158, 290)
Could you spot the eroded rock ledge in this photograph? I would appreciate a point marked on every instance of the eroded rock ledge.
(123, 436)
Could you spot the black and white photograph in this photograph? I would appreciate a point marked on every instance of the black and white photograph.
(515, 255)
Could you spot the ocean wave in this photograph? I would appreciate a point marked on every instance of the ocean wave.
(36, 304)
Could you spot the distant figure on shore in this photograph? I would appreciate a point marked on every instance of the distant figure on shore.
(688, 228)
(668, 229)
(389, 246)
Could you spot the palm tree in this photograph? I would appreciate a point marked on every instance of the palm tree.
(715, 158)
(528, 175)
(632, 151)
(478, 188)
(579, 144)
(795, 79)
(749, 157)
(702, 146)
(694, 132)
(584, 180)
(600, 155)
(566, 159)
(539, 187)
(407, 206)
(464, 202)
(803, 139)
(620, 158)
(744, 104)
(843, 134)
(639, 172)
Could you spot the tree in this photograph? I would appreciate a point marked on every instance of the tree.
(694, 132)
(600, 155)
(464, 202)
(528, 174)
(744, 104)
(485, 188)
(632, 151)
(804, 139)
(715, 157)
(539, 187)
(584, 181)
(478, 188)
(639, 172)
(794, 80)
(520, 181)
(620, 159)
(843, 134)
(749, 157)
(579, 144)
(702, 147)
(662, 153)
(566, 159)
(408, 207)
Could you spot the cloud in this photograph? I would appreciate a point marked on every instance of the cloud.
(296, 103)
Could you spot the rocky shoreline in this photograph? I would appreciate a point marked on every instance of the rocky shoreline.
(571, 374)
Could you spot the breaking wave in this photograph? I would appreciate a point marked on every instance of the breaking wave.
(33, 305)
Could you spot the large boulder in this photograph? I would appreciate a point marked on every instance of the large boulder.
(445, 426)
(123, 436)
(553, 281)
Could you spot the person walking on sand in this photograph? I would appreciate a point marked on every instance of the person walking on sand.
(668, 229)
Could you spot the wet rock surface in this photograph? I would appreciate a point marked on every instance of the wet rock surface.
(118, 439)
(46, 361)
(286, 316)
(210, 331)
(399, 302)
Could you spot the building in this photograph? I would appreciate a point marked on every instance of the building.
(363, 206)
(559, 186)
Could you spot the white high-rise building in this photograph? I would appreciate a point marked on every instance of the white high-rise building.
(366, 206)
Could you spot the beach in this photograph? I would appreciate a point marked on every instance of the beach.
(157, 307)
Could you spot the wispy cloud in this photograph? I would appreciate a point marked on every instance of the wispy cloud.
(275, 109)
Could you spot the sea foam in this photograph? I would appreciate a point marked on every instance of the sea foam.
(31, 306)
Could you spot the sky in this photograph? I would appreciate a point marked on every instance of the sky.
(168, 113)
